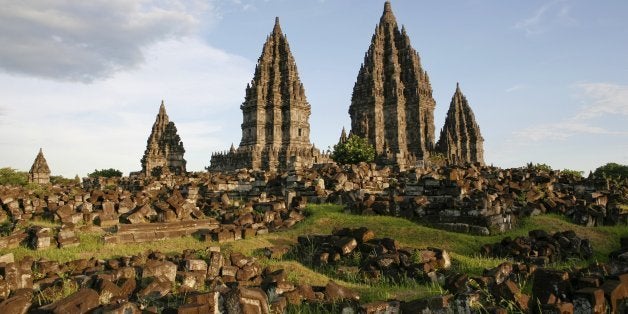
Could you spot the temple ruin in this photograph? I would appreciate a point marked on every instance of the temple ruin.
(275, 127)
(392, 104)
(460, 139)
(164, 149)
(40, 172)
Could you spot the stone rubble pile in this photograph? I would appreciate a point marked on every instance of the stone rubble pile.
(471, 199)
(358, 252)
(486, 200)
(206, 281)
(597, 288)
(138, 212)
(540, 248)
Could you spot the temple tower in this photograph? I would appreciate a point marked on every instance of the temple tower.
(460, 139)
(275, 127)
(164, 149)
(40, 172)
(392, 104)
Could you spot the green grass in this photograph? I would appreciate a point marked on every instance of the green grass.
(323, 219)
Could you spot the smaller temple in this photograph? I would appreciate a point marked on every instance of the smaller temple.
(460, 139)
(343, 136)
(164, 148)
(40, 172)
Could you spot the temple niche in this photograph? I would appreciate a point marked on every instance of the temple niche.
(164, 149)
(275, 126)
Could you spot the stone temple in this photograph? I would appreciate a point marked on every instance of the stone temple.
(164, 149)
(40, 172)
(275, 126)
(460, 139)
(392, 104)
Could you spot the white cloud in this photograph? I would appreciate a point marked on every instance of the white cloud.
(88, 40)
(105, 124)
(515, 88)
(551, 14)
(602, 101)
(607, 99)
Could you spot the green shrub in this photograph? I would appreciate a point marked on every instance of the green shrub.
(10, 176)
(62, 180)
(105, 173)
(353, 151)
(612, 171)
(574, 173)
(539, 167)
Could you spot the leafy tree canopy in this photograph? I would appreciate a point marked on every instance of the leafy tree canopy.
(539, 167)
(612, 170)
(10, 176)
(106, 173)
(353, 151)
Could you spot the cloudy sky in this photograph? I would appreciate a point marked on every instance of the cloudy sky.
(548, 80)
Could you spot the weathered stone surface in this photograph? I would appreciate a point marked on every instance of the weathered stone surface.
(336, 293)
(163, 269)
(157, 288)
(82, 301)
(246, 300)
(17, 304)
(392, 104)
(460, 138)
(39, 172)
(164, 149)
(550, 286)
(275, 127)
(121, 308)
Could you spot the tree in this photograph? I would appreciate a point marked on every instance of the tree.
(106, 173)
(354, 150)
(10, 176)
(539, 167)
(612, 170)
(62, 180)
(574, 173)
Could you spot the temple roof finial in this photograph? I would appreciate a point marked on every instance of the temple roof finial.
(387, 15)
(387, 7)
(277, 27)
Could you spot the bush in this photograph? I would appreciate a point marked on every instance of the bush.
(539, 167)
(612, 171)
(105, 173)
(353, 151)
(10, 176)
(573, 173)
(62, 180)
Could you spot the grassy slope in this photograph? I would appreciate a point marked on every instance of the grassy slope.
(324, 218)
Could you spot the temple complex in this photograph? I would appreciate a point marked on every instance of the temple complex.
(40, 172)
(164, 149)
(460, 139)
(392, 104)
(275, 126)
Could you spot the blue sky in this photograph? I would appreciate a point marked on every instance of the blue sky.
(547, 80)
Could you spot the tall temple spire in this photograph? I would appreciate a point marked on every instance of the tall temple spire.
(392, 104)
(275, 127)
(387, 15)
(277, 27)
(343, 136)
(39, 172)
(460, 139)
(164, 149)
